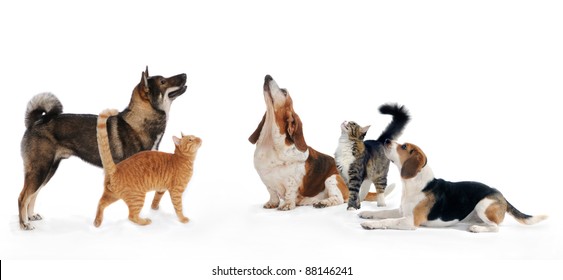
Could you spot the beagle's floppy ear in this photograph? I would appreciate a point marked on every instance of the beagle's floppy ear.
(295, 131)
(413, 164)
(254, 137)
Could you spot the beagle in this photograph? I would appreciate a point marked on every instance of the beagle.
(432, 202)
(291, 170)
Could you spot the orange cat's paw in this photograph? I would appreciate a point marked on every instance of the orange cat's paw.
(141, 221)
(155, 207)
(184, 220)
(97, 223)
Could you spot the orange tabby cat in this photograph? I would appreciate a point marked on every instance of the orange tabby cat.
(145, 171)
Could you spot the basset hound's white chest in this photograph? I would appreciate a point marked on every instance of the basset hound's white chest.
(270, 161)
(280, 165)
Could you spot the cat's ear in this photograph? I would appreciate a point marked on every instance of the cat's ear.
(364, 131)
(254, 137)
(295, 131)
(176, 140)
(413, 164)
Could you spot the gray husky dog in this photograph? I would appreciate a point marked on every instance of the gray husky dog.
(52, 136)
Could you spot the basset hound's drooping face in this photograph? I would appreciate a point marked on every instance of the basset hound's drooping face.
(276, 98)
(280, 105)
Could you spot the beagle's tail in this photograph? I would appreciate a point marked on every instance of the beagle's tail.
(400, 119)
(372, 196)
(524, 218)
(103, 141)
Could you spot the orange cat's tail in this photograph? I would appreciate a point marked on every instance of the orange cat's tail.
(103, 140)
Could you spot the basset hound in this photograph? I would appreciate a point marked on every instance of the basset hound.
(291, 170)
(433, 202)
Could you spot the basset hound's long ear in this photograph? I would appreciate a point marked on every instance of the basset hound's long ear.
(254, 137)
(295, 131)
(413, 164)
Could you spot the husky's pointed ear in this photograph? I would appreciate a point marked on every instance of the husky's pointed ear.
(144, 87)
(145, 80)
(254, 137)
(176, 140)
(182, 134)
(147, 71)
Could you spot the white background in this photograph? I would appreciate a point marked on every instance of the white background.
(482, 80)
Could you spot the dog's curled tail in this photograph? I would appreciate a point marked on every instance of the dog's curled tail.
(42, 108)
(400, 119)
(523, 218)
(103, 140)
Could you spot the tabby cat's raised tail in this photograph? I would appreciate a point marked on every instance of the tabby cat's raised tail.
(400, 119)
(103, 140)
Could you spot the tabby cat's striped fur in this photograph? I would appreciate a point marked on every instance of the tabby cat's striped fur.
(145, 171)
(362, 163)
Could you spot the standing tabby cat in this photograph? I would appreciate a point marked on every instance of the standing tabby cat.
(362, 163)
(145, 171)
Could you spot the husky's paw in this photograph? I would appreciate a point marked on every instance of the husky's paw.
(35, 217)
(27, 226)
